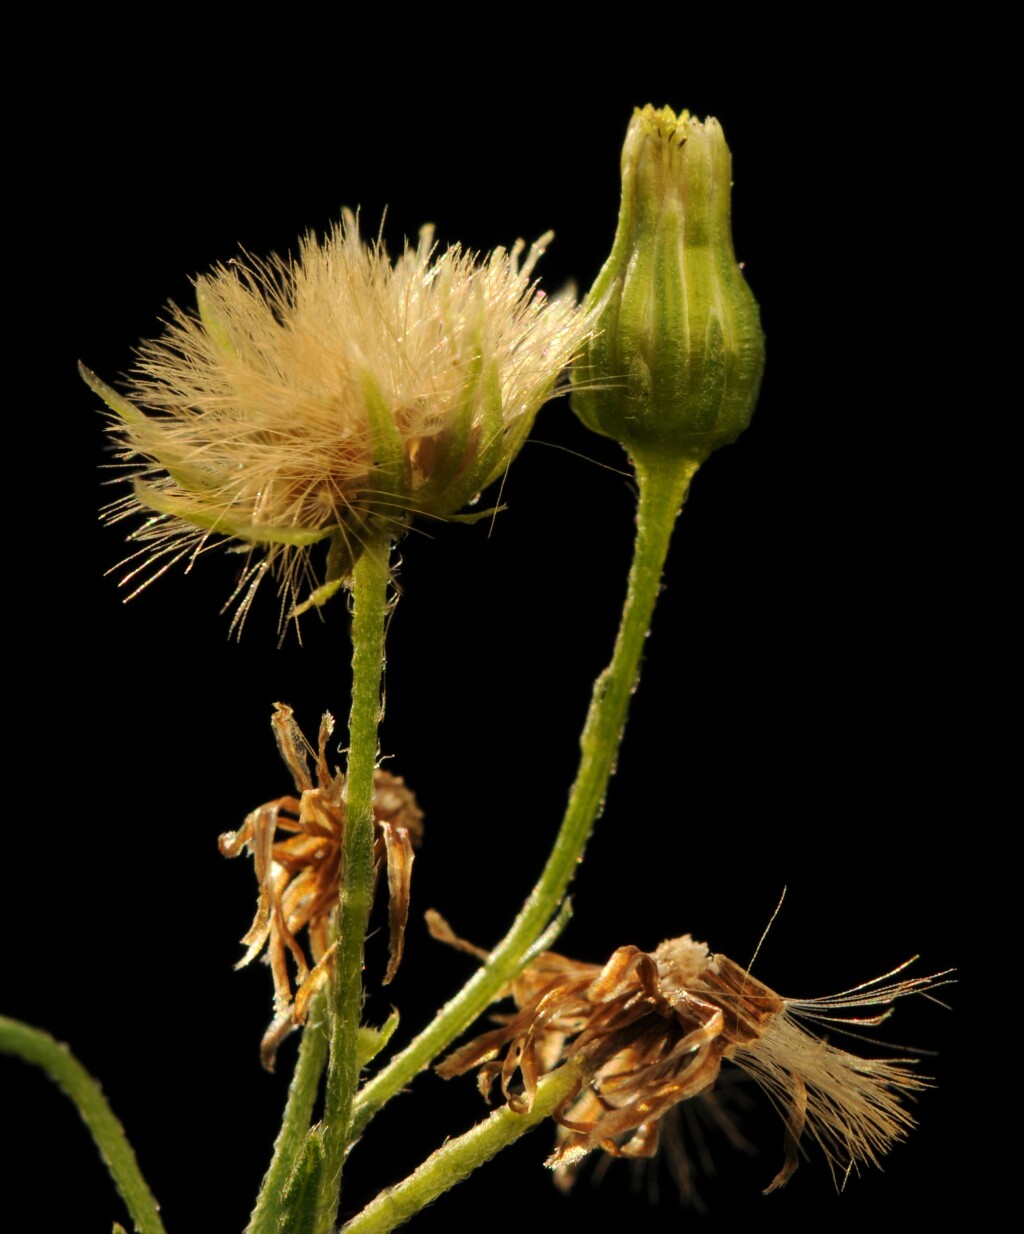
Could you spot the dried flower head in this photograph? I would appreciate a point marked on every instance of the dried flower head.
(653, 1030)
(299, 877)
(683, 1144)
(328, 398)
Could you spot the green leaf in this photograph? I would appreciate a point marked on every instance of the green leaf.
(116, 402)
(373, 1040)
(201, 515)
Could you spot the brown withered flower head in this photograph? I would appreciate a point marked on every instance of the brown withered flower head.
(653, 1029)
(299, 877)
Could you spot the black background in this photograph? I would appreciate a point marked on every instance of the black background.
(810, 713)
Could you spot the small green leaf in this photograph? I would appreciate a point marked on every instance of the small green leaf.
(318, 597)
(476, 516)
(373, 1040)
(116, 402)
(302, 1194)
(222, 523)
(213, 324)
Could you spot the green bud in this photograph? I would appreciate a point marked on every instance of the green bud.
(676, 360)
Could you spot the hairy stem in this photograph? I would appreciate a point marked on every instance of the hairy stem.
(35, 1046)
(298, 1111)
(459, 1157)
(370, 593)
(663, 486)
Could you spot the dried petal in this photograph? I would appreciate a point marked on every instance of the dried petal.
(399, 859)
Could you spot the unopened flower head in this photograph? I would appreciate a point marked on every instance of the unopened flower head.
(652, 1029)
(674, 365)
(332, 398)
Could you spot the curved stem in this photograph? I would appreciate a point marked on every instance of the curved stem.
(370, 592)
(35, 1046)
(459, 1157)
(663, 486)
(298, 1112)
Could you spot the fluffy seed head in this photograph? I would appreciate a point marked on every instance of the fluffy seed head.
(331, 398)
(653, 1029)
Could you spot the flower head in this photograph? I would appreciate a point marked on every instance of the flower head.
(330, 398)
(678, 351)
(653, 1030)
(299, 877)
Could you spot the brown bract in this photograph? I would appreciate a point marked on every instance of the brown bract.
(299, 877)
(653, 1030)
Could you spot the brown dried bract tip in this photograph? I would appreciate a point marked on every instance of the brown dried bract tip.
(299, 877)
(653, 1030)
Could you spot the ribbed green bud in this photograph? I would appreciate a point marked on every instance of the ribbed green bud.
(676, 360)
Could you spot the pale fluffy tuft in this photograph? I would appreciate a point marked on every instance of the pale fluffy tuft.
(311, 397)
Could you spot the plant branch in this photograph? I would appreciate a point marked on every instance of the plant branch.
(663, 485)
(370, 592)
(35, 1046)
(298, 1112)
(459, 1157)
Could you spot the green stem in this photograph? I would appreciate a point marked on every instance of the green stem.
(663, 486)
(458, 1158)
(35, 1046)
(298, 1112)
(370, 593)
